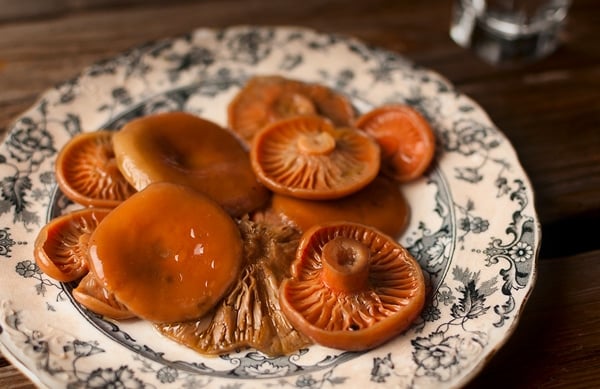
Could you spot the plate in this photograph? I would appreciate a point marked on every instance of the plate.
(473, 228)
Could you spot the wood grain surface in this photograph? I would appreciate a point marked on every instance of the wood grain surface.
(549, 110)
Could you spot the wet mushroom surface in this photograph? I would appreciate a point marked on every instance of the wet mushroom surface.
(185, 149)
(168, 253)
(406, 139)
(308, 157)
(352, 287)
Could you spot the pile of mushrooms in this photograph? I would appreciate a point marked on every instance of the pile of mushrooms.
(272, 233)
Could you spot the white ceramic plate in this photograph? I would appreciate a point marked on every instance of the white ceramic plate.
(473, 228)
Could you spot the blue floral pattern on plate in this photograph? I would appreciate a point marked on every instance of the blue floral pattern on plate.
(473, 227)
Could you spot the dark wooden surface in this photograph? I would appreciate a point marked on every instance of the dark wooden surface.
(550, 111)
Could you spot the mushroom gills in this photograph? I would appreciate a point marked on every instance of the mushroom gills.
(87, 172)
(352, 287)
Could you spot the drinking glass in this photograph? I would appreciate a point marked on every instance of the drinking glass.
(502, 31)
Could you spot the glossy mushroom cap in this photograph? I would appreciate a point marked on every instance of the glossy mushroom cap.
(352, 287)
(267, 99)
(406, 139)
(307, 157)
(184, 149)
(381, 204)
(168, 253)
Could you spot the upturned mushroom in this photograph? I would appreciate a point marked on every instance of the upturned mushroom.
(168, 253)
(352, 287)
(307, 157)
(87, 173)
(61, 247)
(267, 99)
(185, 149)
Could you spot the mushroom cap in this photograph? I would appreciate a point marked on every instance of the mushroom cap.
(61, 247)
(352, 287)
(185, 149)
(381, 204)
(87, 173)
(168, 253)
(406, 139)
(307, 157)
(267, 99)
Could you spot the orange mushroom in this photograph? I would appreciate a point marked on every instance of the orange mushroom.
(381, 204)
(87, 173)
(352, 287)
(185, 149)
(168, 253)
(249, 314)
(97, 299)
(307, 157)
(267, 99)
(406, 139)
(61, 247)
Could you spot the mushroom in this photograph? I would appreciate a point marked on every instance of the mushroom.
(185, 149)
(352, 287)
(87, 173)
(168, 253)
(91, 294)
(62, 253)
(381, 204)
(61, 247)
(249, 314)
(307, 157)
(267, 99)
(406, 139)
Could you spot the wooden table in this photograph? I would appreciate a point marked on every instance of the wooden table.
(550, 111)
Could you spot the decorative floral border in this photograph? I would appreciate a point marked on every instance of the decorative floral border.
(480, 268)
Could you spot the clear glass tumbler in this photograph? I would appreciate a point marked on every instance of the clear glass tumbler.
(501, 31)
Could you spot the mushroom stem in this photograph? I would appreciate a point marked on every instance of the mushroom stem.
(322, 143)
(345, 265)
